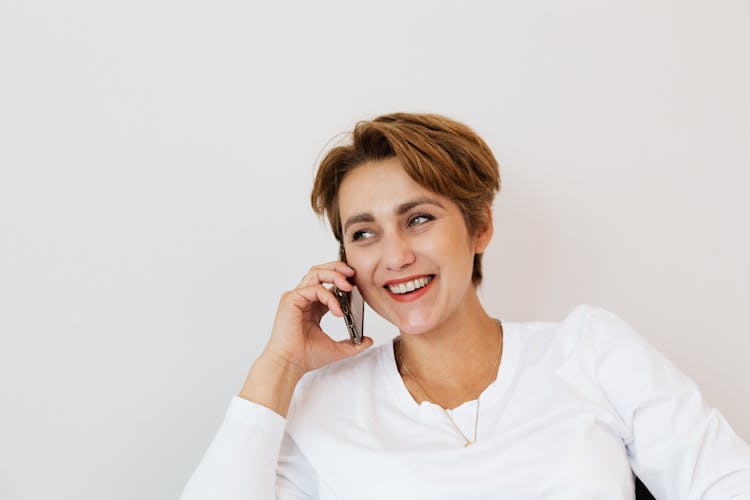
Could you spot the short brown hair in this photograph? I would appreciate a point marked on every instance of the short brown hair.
(440, 154)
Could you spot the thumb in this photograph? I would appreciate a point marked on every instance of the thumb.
(346, 348)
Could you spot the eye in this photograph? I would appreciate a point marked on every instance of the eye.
(419, 219)
(361, 235)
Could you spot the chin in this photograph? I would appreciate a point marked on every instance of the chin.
(413, 322)
(411, 318)
(408, 322)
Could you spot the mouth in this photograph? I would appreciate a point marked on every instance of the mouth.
(409, 289)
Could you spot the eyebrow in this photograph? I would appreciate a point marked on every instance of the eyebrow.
(400, 210)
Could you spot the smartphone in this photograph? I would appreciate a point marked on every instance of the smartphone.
(353, 307)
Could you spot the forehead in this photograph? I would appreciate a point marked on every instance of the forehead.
(378, 188)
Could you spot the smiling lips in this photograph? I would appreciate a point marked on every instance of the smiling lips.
(409, 289)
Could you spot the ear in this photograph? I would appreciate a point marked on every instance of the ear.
(484, 234)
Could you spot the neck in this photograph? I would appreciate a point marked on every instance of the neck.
(453, 362)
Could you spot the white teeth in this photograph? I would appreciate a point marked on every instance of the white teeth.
(409, 286)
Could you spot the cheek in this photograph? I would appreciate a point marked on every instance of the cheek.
(364, 278)
(362, 263)
(455, 255)
(450, 248)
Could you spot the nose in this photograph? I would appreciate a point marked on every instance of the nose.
(397, 252)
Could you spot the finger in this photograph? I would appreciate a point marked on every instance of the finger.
(321, 275)
(336, 265)
(339, 266)
(306, 297)
(318, 311)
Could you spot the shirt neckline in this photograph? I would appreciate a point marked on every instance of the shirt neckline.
(492, 395)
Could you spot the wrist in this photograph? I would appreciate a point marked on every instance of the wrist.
(271, 383)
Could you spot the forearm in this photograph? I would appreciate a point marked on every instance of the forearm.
(241, 461)
(271, 383)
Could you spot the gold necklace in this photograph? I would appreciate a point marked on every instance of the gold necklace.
(476, 418)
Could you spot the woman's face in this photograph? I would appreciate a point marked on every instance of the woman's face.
(409, 246)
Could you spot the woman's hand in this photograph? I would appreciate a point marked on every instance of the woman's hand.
(296, 337)
(298, 344)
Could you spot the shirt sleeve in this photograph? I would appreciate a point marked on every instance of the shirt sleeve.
(252, 457)
(678, 445)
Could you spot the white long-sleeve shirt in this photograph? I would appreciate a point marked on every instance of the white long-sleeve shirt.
(575, 407)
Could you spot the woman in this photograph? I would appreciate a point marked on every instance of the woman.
(459, 405)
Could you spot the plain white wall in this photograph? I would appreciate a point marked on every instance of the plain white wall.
(155, 165)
